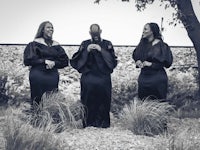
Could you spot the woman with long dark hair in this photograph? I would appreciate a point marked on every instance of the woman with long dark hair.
(44, 56)
(152, 55)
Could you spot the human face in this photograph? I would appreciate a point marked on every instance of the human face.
(147, 33)
(95, 36)
(95, 32)
(48, 31)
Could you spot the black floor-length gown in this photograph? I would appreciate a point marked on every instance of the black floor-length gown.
(41, 79)
(96, 68)
(153, 80)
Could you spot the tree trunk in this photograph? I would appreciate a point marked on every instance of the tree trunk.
(192, 25)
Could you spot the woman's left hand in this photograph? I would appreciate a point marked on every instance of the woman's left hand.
(49, 64)
(147, 63)
(139, 64)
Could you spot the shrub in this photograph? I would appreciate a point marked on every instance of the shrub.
(67, 112)
(146, 117)
(12, 69)
(122, 93)
(182, 86)
(3, 97)
(21, 135)
(183, 92)
(124, 81)
(186, 137)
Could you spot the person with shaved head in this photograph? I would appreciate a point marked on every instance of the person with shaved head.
(95, 60)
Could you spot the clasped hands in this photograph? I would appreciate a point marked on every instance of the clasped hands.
(93, 46)
(141, 64)
(49, 64)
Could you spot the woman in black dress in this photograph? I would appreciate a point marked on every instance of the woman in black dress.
(45, 56)
(152, 55)
(96, 60)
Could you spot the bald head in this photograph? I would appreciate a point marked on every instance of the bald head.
(95, 32)
(95, 28)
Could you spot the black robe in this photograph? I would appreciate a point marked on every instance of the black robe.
(41, 79)
(96, 68)
(153, 80)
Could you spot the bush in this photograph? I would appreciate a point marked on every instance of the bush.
(146, 117)
(183, 86)
(187, 137)
(183, 92)
(12, 69)
(124, 81)
(3, 97)
(66, 112)
(35, 130)
(21, 135)
(122, 93)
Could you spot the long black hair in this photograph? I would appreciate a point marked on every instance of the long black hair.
(156, 30)
(139, 52)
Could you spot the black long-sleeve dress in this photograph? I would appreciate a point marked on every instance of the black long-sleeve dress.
(153, 80)
(41, 79)
(96, 68)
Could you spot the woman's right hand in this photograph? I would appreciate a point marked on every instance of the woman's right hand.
(139, 64)
(49, 64)
(147, 63)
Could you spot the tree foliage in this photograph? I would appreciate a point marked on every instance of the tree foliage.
(142, 4)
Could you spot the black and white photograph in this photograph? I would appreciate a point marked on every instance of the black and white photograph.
(100, 75)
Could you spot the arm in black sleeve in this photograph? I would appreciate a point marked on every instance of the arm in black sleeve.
(135, 59)
(165, 58)
(30, 56)
(133, 55)
(136, 55)
(109, 56)
(157, 65)
(62, 59)
(169, 59)
(79, 58)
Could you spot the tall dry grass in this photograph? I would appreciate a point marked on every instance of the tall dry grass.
(63, 110)
(186, 137)
(20, 135)
(36, 130)
(146, 117)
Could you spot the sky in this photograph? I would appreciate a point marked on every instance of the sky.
(121, 23)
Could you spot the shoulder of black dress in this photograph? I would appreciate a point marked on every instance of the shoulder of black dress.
(55, 43)
(30, 43)
(165, 44)
(106, 40)
(40, 40)
(86, 41)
